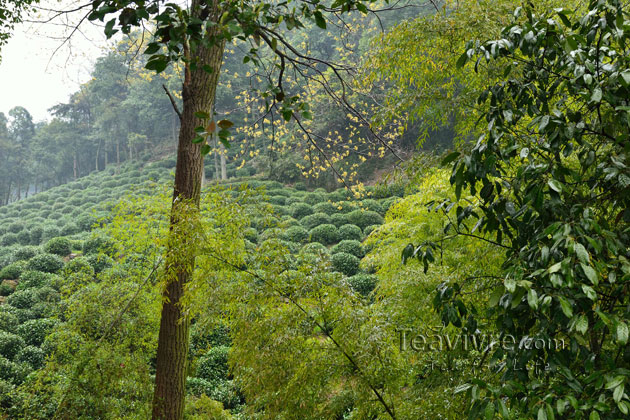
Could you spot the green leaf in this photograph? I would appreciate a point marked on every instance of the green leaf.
(566, 306)
(615, 382)
(590, 273)
(542, 414)
(532, 298)
(205, 149)
(319, 19)
(597, 95)
(594, 415)
(618, 393)
(449, 158)
(589, 292)
(198, 139)
(555, 185)
(582, 254)
(489, 411)
(461, 61)
(622, 332)
(109, 28)
(152, 48)
(623, 407)
(555, 268)
(581, 325)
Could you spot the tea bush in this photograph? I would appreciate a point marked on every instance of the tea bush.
(48, 263)
(58, 246)
(350, 232)
(349, 246)
(364, 219)
(10, 344)
(362, 283)
(313, 220)
(324, 234)
(299, 210)
(345, 263)
(296, 234)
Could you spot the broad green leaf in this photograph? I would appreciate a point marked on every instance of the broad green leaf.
(566, 306)
(555, 185)
(532, 299)
(589, 292)
(582, 254)
(590, 273)
(581, 325)
(622, 332)
(618, 393)
(597, 95)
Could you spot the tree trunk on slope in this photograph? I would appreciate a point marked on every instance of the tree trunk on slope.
(198, 94)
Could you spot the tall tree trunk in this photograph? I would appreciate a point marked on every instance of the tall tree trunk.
(75, 166)
(198, 93)
(98, 152)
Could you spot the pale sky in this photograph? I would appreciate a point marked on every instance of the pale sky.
(28, 75)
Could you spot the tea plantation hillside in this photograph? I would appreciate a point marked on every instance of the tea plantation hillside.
(53, 253)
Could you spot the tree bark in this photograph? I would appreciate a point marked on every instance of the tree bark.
(198, 93)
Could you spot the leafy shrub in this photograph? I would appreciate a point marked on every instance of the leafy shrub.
(50, 232)
(85, 222)
(30, 279)
(299, 210)
(8, 321)
(70, 229)
(78, 265)
(314, 248)
(22, 299)
(35, 331)
(12, 271)
(213, 365)
(199, 386)
(14, 373)
(280, 210)
(296, 234)
(314, 198)
(292, 200)
(339, 219)
(288, 221)
(100, 262)
(47, 263)
(6, 289)
(350, 232)
(9, 239)
(364, 219)
(10, 344)
(349, 246)
(25, 253)
(325, 207)
(362, 283)
(24, 237)
(58, 246)
(345, 263)
(99, 243)
(316, 219)
(300, 186)
(325, 234)
(372, 205)
(36, 234)
(15, 227)
(251, 235)
(278, 200)
(31, 355)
